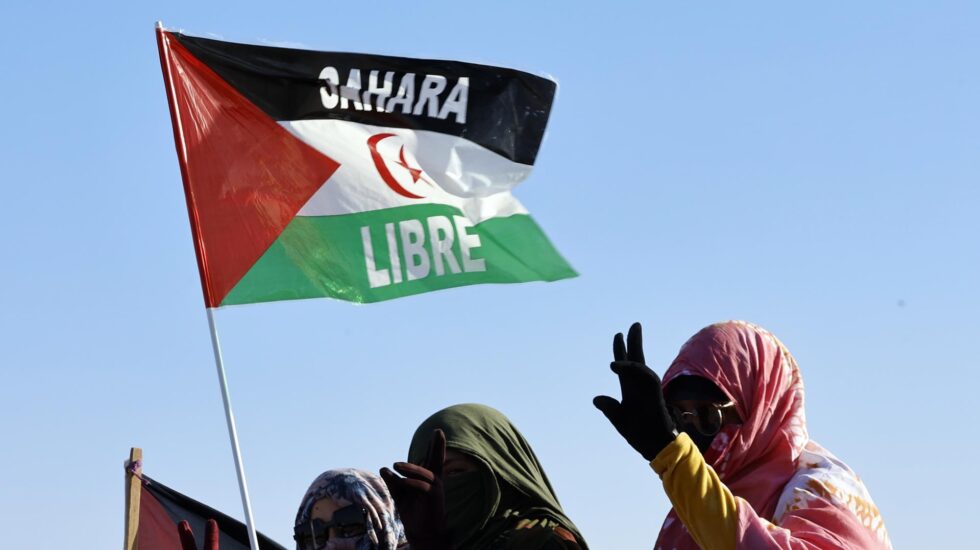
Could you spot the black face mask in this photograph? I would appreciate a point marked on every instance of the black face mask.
(689, 387)
(703, 442)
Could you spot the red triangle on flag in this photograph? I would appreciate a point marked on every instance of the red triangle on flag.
(245, 176)
(157, 530)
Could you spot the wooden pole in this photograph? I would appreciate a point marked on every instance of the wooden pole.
(134, 468)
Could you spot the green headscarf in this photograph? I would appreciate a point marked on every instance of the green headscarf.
(512, 486)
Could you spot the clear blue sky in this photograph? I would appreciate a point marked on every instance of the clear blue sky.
(812, 169)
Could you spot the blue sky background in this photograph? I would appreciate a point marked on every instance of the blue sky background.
(813, 169)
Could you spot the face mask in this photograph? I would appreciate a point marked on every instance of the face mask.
(471, 499)
(701, 441)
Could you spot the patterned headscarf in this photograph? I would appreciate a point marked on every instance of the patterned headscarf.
(349, 486)
(768, 462)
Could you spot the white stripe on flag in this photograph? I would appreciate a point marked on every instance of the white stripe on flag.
(437, 167)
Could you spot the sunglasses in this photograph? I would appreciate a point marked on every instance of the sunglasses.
(347, 522)
(706, 419)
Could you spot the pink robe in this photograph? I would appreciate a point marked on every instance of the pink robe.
(791, 493)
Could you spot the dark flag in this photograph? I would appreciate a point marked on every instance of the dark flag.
(162, 509)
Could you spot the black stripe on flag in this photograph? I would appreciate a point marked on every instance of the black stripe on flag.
(505, 110)
(234, 534)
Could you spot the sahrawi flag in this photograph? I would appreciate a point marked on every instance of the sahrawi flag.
(162, 509)
(358, 177)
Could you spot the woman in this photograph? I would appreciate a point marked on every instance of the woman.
(348, 509)
(742, 473)
(473, 483)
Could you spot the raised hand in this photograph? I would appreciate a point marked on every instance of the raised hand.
(420, 497)
(187, 536)
(641, 417)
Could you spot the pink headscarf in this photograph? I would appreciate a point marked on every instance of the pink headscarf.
(777, 475)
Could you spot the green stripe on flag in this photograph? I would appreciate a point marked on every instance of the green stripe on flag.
(319, 256)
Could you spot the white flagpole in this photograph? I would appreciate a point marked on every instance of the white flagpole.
(253, 539)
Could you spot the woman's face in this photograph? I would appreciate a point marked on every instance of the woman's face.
(457, 463)
(700, 409)
(325, 508)
(471, 493)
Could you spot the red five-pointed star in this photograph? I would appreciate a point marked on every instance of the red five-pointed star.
(415, 172)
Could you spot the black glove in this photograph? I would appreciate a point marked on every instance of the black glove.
(421, 499)
(186, 534)
(642, 418)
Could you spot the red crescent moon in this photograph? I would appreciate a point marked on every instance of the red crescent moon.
(379, 163)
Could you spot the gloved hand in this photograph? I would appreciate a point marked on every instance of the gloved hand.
(641, 418)
(187, 536)
(420, 498)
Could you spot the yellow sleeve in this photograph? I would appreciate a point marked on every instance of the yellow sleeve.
(701, 500)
